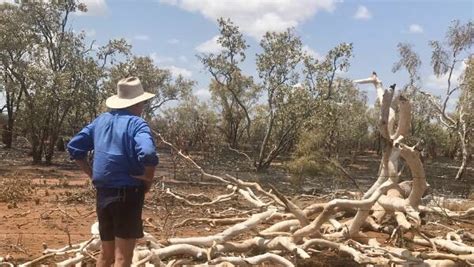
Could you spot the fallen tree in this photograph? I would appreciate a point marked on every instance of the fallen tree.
(296, 233)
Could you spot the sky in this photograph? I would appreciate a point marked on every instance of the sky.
(173, 32)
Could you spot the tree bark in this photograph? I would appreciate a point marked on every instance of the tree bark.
(464, 153)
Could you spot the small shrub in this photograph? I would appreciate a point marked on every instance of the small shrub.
(84, 196)
(15, 190)
(308, 166)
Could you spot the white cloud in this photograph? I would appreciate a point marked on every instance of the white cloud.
(94, 8)
(176, 71)
(312, 52)
(415, 28)
(362, 13)
(203, 94)
(173, 41)
(210, 46)
(160, 59)
(166, 63)
(257, 17)
(141, 37)
(438, 85)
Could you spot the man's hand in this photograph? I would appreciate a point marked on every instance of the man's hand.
(85, 167)
(147, 177)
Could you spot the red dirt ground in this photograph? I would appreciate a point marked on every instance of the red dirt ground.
(60, 206)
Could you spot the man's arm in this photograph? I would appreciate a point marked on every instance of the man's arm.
(147, 177)
(146, 152)
(80, 145)
(85, 167)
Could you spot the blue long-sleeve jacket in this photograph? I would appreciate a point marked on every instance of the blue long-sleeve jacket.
(122, 144)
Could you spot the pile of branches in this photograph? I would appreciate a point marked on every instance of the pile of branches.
(297, 233)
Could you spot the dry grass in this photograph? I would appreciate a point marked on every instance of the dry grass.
(83, 195)
(15, 190)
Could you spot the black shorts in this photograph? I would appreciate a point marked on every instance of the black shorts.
(119, 211)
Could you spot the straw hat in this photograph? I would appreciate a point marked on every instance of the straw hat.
(129, 93)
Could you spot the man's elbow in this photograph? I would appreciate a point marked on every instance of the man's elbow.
(150, 159)
(77, 155)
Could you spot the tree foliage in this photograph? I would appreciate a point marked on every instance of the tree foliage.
(233, 92)
(56, 82)
(190, 126)
(446, 57)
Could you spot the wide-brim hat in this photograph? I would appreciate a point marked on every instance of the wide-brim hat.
(129, 93)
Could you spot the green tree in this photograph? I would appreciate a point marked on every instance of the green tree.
(234, 93)
(39, 80)
(15, 42)
(330, 132)
(464, 109)
(51, 70)
(92, 92)
(190, 126)
(446, 57)
(423, 121)
(234, 123)
(334, 98)
(320, 75)
(288, 105)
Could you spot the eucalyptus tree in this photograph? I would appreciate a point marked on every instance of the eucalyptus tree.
(234, 93)
(15, 42)
(49, 71)
(446, 57)
(288, 104)
(191, 125)
(335, 97)
(423, 121)
(95, 67)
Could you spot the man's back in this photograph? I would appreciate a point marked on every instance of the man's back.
(122, 145)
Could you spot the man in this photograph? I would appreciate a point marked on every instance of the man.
(123, 167)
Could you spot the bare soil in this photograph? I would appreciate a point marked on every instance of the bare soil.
(59, 208)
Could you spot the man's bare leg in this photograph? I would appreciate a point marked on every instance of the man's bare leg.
(107, 252)
(124, 251)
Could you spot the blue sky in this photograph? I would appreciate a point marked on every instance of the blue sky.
(174, 31)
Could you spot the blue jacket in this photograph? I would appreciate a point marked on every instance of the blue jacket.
(122, 144)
